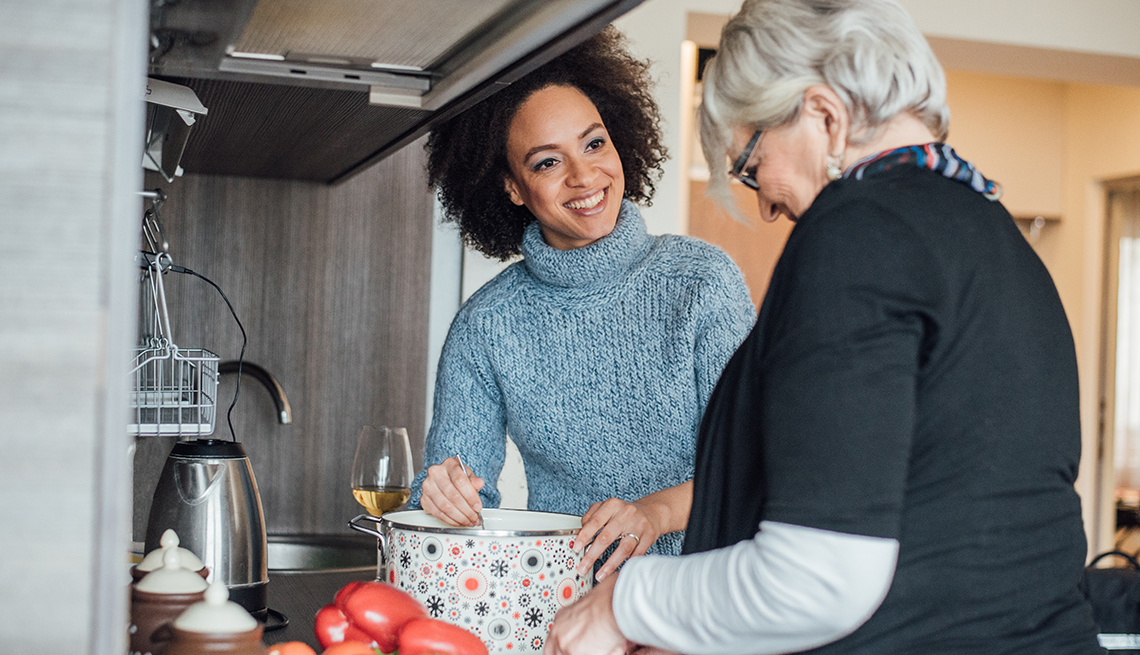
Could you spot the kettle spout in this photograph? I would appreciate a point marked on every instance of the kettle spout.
(284, 412)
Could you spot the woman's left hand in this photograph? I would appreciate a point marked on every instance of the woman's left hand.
(636, 526)
(615, 520)
(588, 627)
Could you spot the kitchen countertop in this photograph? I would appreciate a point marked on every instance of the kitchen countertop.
(298, 595)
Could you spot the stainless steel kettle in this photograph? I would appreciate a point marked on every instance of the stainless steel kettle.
(207, 494)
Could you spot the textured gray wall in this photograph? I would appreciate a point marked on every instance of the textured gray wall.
(332, 285)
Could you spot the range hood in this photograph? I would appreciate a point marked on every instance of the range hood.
(320, 90)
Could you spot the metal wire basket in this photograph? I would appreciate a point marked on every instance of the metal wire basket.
(175, 389)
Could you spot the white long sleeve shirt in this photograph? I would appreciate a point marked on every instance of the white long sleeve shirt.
(788, 589)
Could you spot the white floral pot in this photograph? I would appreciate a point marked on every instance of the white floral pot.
(504, 582)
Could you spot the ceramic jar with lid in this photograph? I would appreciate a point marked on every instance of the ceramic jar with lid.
(216, 626)
(158, 599)
(153, 560)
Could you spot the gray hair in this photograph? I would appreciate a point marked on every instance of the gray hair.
(869, 52)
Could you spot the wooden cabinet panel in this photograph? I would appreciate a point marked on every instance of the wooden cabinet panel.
(331, 284)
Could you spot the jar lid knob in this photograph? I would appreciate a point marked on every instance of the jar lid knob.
(217, 594)
(169, 539)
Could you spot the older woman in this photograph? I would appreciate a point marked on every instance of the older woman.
(598, 351)
(887, 462)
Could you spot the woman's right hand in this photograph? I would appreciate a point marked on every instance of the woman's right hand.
(451, 493)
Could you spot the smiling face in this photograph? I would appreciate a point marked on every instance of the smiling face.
(564, 167)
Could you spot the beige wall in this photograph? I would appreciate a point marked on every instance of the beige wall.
(1103, 143)
(1100, 26)
(1012, 129)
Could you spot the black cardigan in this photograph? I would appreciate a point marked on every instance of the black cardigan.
(912, 376)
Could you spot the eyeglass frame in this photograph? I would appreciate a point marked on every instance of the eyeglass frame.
(737, 171)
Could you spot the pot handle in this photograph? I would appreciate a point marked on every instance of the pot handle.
(355, 525)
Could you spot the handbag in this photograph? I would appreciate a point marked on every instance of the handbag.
(1115, 598)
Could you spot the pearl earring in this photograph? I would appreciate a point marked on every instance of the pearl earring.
(833, 170)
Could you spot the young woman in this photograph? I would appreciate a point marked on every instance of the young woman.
(597, 351)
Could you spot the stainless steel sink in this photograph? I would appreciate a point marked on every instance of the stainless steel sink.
(321, 552)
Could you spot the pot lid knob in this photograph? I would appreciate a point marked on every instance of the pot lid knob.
(153, 559)
(216, 614)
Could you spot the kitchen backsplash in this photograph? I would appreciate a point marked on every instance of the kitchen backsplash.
(331, 284)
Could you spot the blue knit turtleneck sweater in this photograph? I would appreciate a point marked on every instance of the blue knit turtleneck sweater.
(598, 361)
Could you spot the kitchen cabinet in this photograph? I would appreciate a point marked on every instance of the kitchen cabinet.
(69, 125)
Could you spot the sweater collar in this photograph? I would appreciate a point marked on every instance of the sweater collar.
(600, 261)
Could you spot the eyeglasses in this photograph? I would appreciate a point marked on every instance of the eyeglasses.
(737, 171)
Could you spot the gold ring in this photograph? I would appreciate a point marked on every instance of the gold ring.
(635, 538)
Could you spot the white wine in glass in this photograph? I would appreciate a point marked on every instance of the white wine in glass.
(378, 500)
(382, 469)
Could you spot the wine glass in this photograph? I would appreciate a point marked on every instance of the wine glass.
(382, 469)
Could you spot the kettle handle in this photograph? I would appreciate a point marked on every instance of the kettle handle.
(372, 531)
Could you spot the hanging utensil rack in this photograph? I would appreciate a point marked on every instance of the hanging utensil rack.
(175, 389)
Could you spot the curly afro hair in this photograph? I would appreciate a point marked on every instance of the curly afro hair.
(467, 155)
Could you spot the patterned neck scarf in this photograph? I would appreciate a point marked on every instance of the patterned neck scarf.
(936, 156)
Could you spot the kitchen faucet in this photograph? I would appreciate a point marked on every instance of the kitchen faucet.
(284, 412)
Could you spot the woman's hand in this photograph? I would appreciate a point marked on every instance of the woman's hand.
(636, 526)
(615, 520)
(588, 627)
(451, 493)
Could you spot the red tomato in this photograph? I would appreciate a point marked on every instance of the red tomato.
(434, 637)
(380, 610)
(333, 627)
(349, 648)
(291, 648)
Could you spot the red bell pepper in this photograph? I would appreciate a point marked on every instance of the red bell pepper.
(333, 627)
(432, 637)
(372, 612)
(347, 589)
